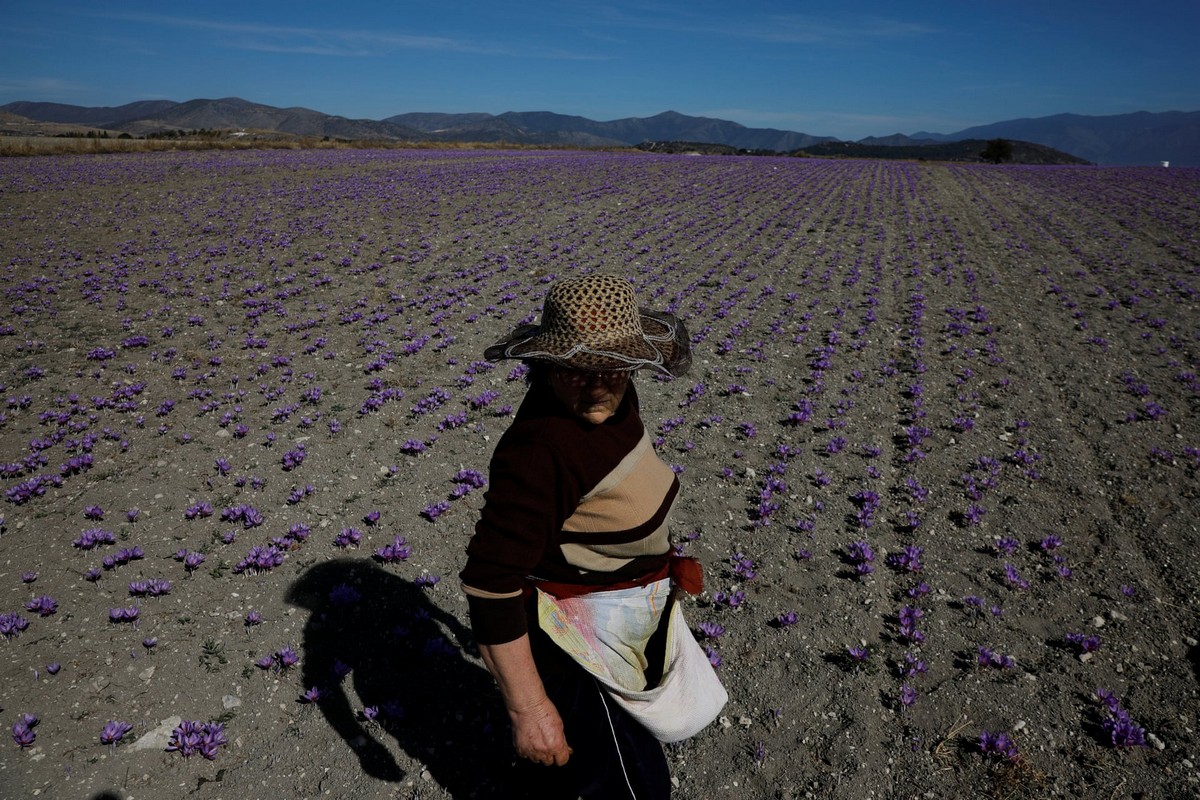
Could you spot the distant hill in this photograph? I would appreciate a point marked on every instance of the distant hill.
(965, 150)
(1141, 138)
(1124, 139)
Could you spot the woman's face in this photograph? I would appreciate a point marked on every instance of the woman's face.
(592, 396)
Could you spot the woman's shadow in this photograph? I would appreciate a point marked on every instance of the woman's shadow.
(373, 630)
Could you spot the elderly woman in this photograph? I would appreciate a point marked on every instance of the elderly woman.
(569, 574)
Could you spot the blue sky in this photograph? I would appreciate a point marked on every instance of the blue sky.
(849, 70)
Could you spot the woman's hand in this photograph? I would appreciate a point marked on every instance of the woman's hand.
(537, 727)
(538, 733)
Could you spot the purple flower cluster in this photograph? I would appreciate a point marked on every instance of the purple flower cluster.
(129, 614)
(999, 746)
(293, 458)
(299, 493)
(1087, 643)
(988, 658)
(42, 605)
(34, 487)
(908, 559)
(413, 447)
(908, 618)
(283, 659)
(729, 599)
(193, 736)
(260, 559)
(22, 730)
(11, 624)
(435, 510)
(122, 556)
(94, 537)
(743, 566)
(398, 550)
(154, 587)
(114, 731)
(1013, 579)
(868, 505)
(348, 537)
(249, 516)
(1120, 727)
(199, 509)
(435, 399)
(861, 556)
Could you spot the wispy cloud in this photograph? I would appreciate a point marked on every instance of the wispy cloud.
(304, 40)
(39, 86)
(814, 29)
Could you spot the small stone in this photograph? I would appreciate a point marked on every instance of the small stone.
(1156, 742)
(230, 701)
(1097, 621)
(146, 674)
(1189, 641)
(160, 737)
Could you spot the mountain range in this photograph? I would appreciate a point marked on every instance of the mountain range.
(1124, 139)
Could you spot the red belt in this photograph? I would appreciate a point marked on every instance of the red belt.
(685, 572)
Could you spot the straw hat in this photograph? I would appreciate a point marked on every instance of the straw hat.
(593, 322)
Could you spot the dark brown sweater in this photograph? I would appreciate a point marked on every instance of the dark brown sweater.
(569, 502)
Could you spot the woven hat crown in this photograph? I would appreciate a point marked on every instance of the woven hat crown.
(591, 311)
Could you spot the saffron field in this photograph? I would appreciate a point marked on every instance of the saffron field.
(938, 454)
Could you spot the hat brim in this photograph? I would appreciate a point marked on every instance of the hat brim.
(664, 346)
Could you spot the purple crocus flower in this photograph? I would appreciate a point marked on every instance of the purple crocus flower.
(349, 537)
(1086, 643)
(287, 657)
(193, 736)
(998, 745)
(22, 731)
(129, 614)
(398, 550)
(114, 731)
(714, 657)
(43, 606)
(435, 510)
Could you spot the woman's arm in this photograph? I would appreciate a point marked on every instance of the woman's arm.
(537, 727)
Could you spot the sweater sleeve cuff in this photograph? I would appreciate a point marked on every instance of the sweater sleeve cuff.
(497, 620)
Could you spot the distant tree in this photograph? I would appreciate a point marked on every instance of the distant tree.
(997, 150)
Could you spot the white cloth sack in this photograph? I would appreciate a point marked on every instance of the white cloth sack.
(606, 633)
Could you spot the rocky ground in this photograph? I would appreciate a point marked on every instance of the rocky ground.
(938, 453)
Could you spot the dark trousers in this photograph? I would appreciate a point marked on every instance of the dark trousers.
(613, 758)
